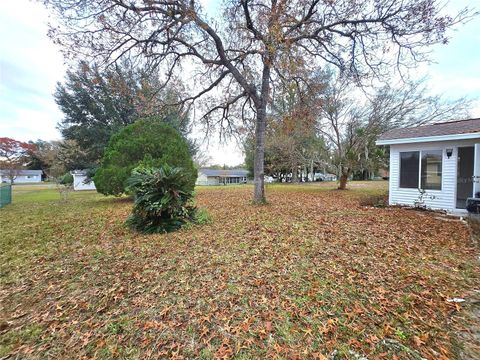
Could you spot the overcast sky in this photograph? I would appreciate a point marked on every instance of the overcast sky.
(30, 66)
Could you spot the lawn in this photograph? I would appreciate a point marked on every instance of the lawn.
(312, 274)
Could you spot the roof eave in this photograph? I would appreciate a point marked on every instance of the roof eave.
(428, 139)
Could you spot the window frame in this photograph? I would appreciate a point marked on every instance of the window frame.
(400, 168)
(441, 168)
(419, 180)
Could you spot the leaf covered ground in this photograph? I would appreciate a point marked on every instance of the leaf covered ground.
(313, 274)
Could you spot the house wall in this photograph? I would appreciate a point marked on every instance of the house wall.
(234, 180)
(79, 183)
(212, 180)
(22, 179)
(435, 199)
(203, 179)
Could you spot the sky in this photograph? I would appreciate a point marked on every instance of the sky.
(31, 65)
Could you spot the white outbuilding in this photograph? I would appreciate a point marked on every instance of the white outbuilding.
(81, 181)
(441, 160)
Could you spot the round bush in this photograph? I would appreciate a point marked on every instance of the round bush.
(149, 143)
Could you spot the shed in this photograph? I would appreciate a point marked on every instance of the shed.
(442, 160)
(81, 181)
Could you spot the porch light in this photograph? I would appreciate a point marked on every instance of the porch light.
(449, 152)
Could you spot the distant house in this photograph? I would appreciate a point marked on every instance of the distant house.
(21, 176)
(81, 181)
(325, 177)
(221, 177)
(268, 179)
(442, 160)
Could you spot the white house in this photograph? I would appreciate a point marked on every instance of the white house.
(81, 181)
(324, 177)
(443, 159)
(21, 176)
(221, 177)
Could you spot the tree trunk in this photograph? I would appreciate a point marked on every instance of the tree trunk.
(365, 175)
(259, 160)
(312, 173)
(258, 169)
(344, 174)
(295, 174)
(343, 182)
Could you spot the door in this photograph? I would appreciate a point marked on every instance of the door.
(476, 172)
(465, 166)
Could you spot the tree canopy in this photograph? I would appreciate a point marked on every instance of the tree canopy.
(97, 103)
(14, 155)
(150, 143)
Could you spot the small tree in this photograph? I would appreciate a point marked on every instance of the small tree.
(64, 185)
(13, 156)
(150, 143)
(162, 199)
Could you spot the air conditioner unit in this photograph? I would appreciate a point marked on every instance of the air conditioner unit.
(473, 205)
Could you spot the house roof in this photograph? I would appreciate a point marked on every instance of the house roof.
(450, 130)
(79, 172)
(22, 172)
(224, 173)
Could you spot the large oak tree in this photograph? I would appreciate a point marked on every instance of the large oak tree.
(253, 44)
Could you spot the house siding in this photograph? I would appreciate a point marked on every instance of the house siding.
(202, 179)
(212, 180)
(22, 179)
(435, 199)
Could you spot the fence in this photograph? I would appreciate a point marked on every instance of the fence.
(5, 194)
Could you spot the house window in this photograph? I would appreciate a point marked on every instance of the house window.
(432, 170)
(409, 169)
(421, 169)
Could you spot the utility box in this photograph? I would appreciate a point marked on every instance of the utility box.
(5, 194)
(473, 205)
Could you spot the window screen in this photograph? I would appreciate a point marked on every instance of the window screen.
(409, 162)
(432, 170)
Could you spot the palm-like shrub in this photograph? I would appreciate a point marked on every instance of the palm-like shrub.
(162, 199)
